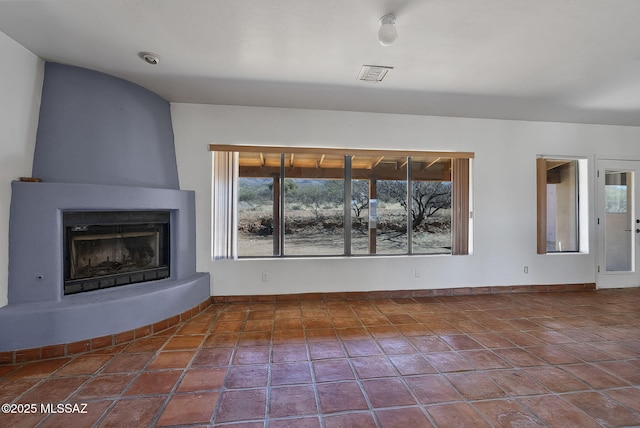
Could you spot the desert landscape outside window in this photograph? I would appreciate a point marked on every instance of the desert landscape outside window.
(335, 202)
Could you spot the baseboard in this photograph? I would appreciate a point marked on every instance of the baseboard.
(404, 294)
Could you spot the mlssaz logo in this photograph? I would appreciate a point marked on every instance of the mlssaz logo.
(63, 408)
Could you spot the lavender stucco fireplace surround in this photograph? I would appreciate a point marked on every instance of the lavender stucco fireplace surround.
(104, 146)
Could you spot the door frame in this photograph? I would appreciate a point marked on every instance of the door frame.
(614, 279)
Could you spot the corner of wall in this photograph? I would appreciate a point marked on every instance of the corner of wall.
(21, 80)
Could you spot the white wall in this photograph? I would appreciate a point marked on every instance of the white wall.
(21, 76)
(503, 182)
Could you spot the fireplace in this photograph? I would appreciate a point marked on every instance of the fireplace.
(46, 216)
(114, 248)
(131, 198)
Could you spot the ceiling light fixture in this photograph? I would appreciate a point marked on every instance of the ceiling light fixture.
(387, 33)
(149, 58)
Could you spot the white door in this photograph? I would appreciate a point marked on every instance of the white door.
(618, 223)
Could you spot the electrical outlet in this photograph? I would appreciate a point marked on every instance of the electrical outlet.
(526, 269)
(417, 273)
(265, 277)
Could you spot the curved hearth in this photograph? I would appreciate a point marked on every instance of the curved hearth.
(39, 312)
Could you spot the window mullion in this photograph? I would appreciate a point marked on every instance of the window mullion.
(409, 207)
(281, 205)
(577, 213)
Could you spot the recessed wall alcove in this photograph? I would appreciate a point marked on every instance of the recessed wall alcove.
(103, 145)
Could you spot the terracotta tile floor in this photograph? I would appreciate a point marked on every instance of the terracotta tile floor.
(519, 360)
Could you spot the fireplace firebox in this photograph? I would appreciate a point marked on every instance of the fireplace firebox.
(114, 248)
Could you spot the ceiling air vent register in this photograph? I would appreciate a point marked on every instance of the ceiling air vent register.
(373, 73)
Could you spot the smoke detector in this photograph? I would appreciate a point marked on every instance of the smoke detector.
(373, 73)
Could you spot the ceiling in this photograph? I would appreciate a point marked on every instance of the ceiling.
(550, 60)
(317, 164)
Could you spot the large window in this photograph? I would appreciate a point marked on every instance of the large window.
(331, 202)
(561, 205)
